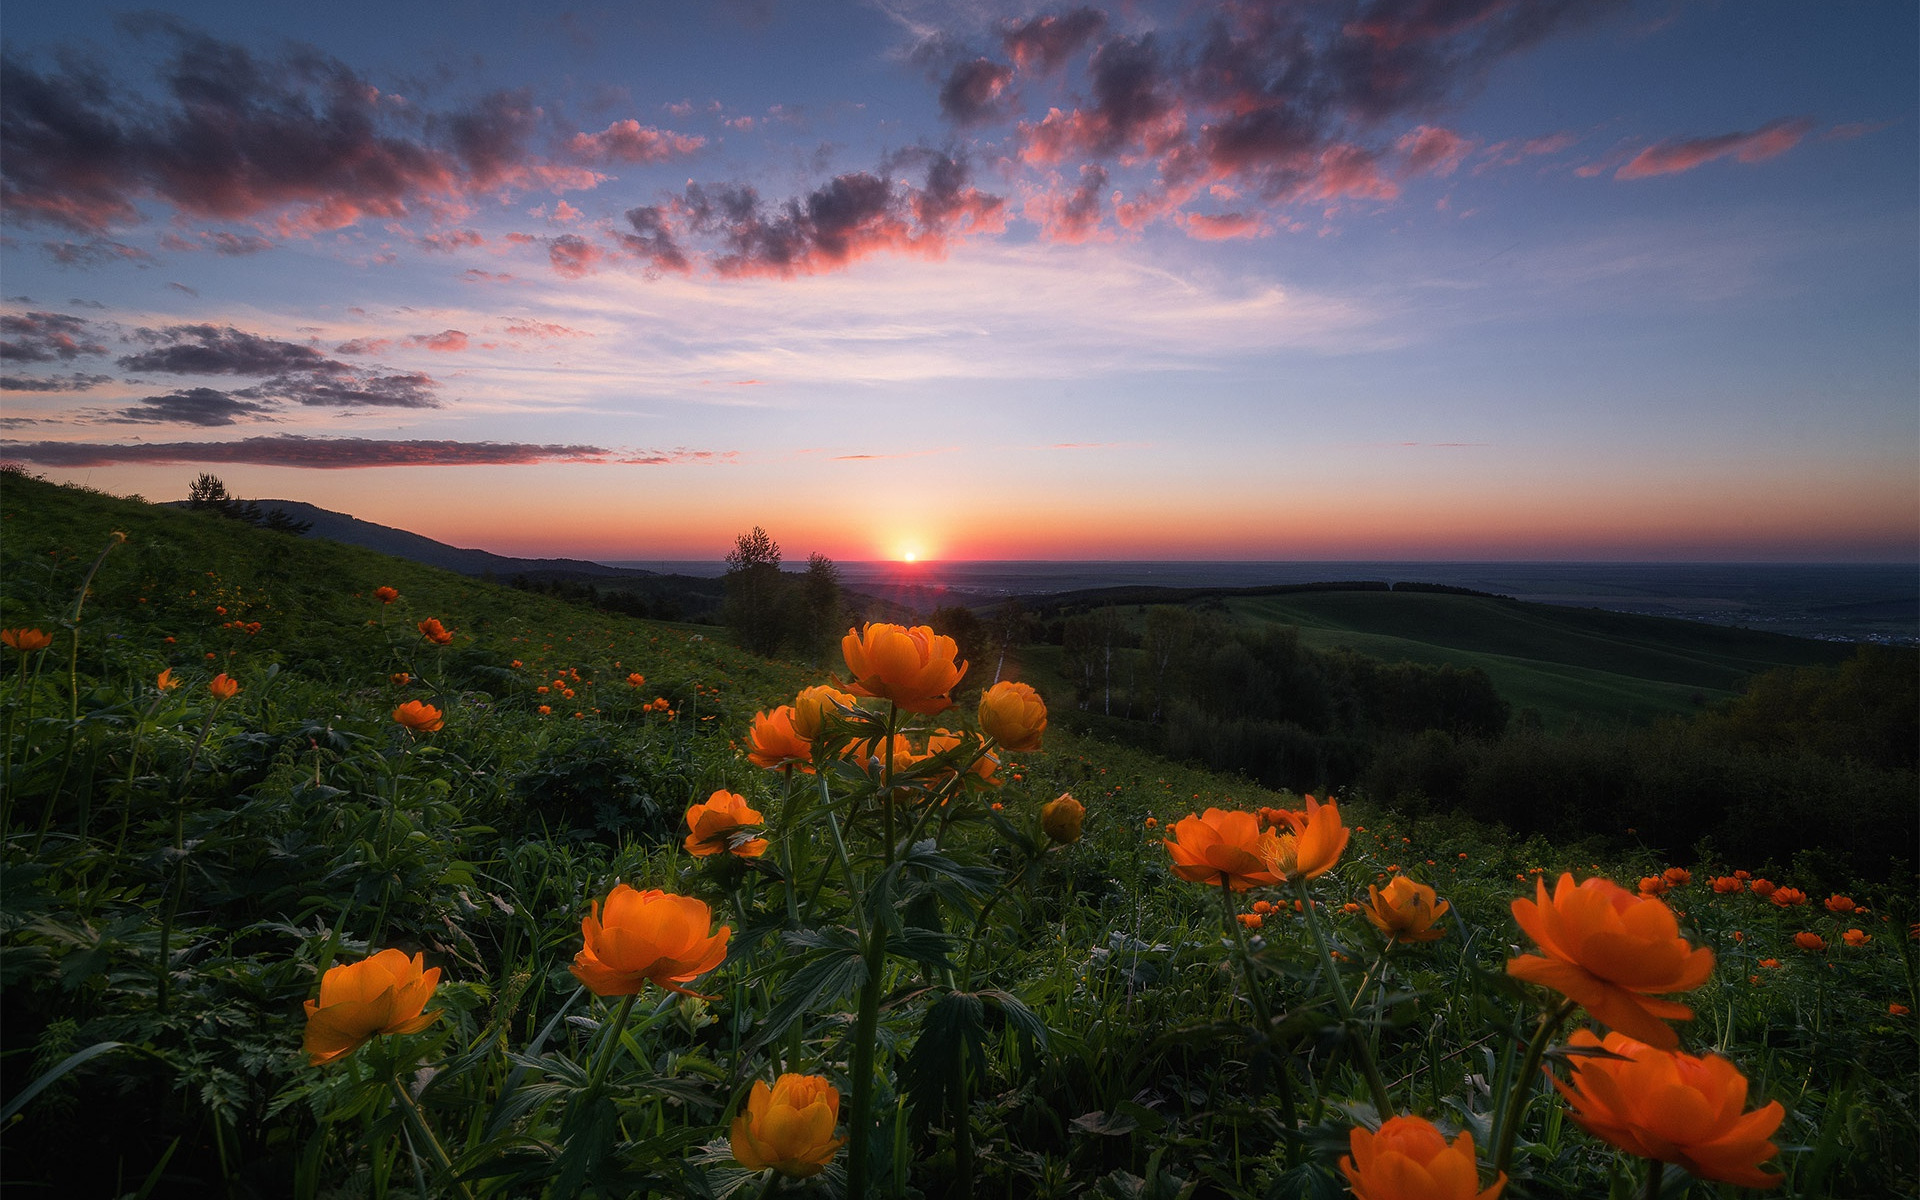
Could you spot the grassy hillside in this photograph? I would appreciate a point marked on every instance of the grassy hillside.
(1002, 1013)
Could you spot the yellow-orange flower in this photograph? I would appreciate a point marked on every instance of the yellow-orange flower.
(637, 938)
(1406, 910)
(166, 682)
(774, 742)
(814, 705)
(1410, 1159)
(382, 994)
(26, 641)
(1840, 904)
(1061, 817)
(1762, 887)
(1788, 897)
(1672, 1107)
(1313, 841)
(788, 1126)
(1653, 885)
(1677, 876)
(223, 686)
(420, 718)
(1218, 846)
(432, 630)
(386, 595)
(941, 741)
(1856, 938)
(716, 825)
(1727, 885)
(1810, 941)
(1014, 715)
(1608, 950)
(914, 668)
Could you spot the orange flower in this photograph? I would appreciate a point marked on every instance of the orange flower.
(386, 595)
(1772, 964)
(382, 994)
(1251, 920)
(814, 705)
(1263, 906)
(223, 686)
(1840, 905)
(1410, 1159)
(1014, 715)
(418, 717)
(1152, 824)
(716, 826)
(652, 936)
(1608, 950)
(26, 641)
(914, 668)
(1726, 885)
(1061, 817)
(1224, 846)
(1898, 1010)
(636, 679)
(774, 742)
(1672, 1107)
(1810, 941)
(940, 741)
(1406, 911)
(166, 682)
(788, 1126)
(1762, 887)
(1856, 938)
(432, 630)
(546, 709)
(1314, 840)
(1677, 876)
(400, 679)
(1653, 885)
(1788, 897)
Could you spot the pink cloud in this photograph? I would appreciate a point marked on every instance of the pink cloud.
(1220, 227)
(293, 450)
(573, 256)
(1853, 129)
(1429, 149)
(631, 142)
(1071, 215)
(446, 342)
(526, 327)
(1674, 156)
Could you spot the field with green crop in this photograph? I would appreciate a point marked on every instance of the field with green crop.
(241, 767)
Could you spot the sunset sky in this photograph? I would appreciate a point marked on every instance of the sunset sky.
(1440, 279)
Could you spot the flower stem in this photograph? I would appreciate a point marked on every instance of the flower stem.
(1509, 1127)
(418, 1120)
(618, 1027)
(1263, 1016)
(1382, 1102)
(1655, 1169)
(865, 1029)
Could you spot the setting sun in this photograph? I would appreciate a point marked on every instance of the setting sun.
(910, 556)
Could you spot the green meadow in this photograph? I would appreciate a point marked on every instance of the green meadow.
(221, 790)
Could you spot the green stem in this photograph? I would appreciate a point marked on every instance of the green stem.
(1263, 1015)
(418, 1120)
(787, 837)
(1655, 1169)
(866, 1026)
(605, 1061)
(1382, 1103)
(1509, 1128)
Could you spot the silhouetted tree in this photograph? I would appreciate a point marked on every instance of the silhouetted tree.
(758, 603)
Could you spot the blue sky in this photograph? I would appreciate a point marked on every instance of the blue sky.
(1411, 278)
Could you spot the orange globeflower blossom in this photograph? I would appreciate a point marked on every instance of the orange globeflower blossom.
(1772, 964)
(166, 682)
(1410, 1159)
(1314, 840)
(914, 668)
(814, 705)
(788, 1126)
(1672, 1107)
(1406, 910)
(1810, 941)
(432, 630)
(1726, 885)
(1219, 846)
(1653, 885)
(545, 709)
(715, 824)
(386, 595)
(1677, 876)
(940, 741)
(418, 717)
(26, 641)
(1856, 938)
(636, 938)
(1014, 715)
(1762, 887)
(223, 686)
(1061, 817)
(1898, 1010)
(1840, 905)
(636, 679)
(1608, 950)
(1251, 920)
(1787, 897)
(382, 994)
(774, 742)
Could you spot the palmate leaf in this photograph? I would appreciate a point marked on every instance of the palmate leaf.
(823, 975)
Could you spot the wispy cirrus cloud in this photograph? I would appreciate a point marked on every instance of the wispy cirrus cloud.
(1684, 154)
(293, 450)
